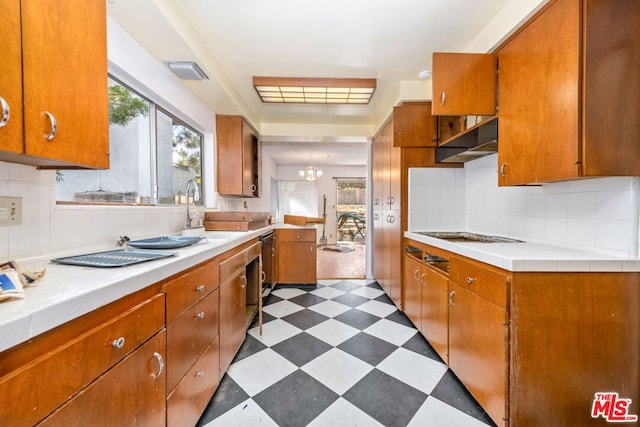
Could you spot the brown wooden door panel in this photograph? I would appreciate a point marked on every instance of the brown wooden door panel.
(435, 311)
(232, 318)
(478, 348)
(468, 82)
(413, 290)
(11, 78)
(413, 125)
(64, 47)
(132, 393)
(189, 288)
(296, 262)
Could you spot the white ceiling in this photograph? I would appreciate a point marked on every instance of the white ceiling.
(233, 40)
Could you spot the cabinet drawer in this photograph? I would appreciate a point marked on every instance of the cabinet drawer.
(297, 235)
(484, 280)
(188, 401)
(239, 260)
(189, 288)
(46, 382)
(189, 336)
(132, 393)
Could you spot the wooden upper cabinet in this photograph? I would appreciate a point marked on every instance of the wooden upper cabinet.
(464, 84)
(64, 76)
(413, 125)
(238, 157)
(10, 79)
(567, 106)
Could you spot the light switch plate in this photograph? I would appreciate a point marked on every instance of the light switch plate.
(10, 211)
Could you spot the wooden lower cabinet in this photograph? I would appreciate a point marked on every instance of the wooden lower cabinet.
(232, 318)
(132, 393)
(296, 256)
(188, 401)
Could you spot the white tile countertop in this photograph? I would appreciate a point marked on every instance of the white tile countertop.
(526, 256)
(67, 292)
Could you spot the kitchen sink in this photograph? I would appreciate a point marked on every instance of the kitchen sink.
(461, 236)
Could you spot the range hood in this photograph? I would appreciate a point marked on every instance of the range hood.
(477, 141)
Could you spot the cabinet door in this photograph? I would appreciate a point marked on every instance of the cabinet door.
(539, 99)
(392, 253)
(464, 84)
(297, 262)
(413, 125)
(478, 348)
(413, 278)
(11, 78)
(249, 162)
(394, 166)
(377, 235)
(132, 393)
(64, 48)
(378, 149)
(435, 311)
(232, 317)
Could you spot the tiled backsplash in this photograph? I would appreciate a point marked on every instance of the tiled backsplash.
(594, 214)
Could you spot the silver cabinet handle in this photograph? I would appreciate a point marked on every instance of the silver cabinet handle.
(392, 219)
(451, 295)
(273, 251)
(392, 200)
(200, 288)
(244, 281)
(503, 170)
(376, 202)
(200, 374)
(54, 126)
(263, 276)
(200, 315)
(160, 360)
(443, 98)
(470, 280)
(118, 343)
(422, 277)
(415, 274)
(6, 112)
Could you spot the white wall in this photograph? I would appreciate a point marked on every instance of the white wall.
(599, 215)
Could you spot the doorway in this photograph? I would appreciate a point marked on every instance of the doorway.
(351, 210)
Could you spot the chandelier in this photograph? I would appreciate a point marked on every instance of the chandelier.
(311, 173)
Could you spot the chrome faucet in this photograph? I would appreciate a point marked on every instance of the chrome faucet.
(196, 197)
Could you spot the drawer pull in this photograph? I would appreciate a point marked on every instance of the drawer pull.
(422, 278)
(200, 315)
(54, 126)
(451, 295)
(443, 98)
(244, 281)
(200, 288)
(470, 280)
(160, 360)
(118, 343)
(415, 274)
(6, 112)
(263, 276)
(200, 374)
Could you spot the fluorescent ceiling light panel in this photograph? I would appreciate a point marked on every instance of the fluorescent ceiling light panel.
(187, 70)
(302, 90)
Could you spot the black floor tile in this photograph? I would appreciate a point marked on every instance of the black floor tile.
(451, 391)
(266, 318)
(386, 399)
(351, 300)
(295, 400)
(368, 348)
(399, 317)
(272, 299)
(249, 347)
(346, 286)
(228, 395)
(305, 319)
(374, 285)
(301, 349)
(420, 345)
(357, 318)
(384, 298)
(307, 299)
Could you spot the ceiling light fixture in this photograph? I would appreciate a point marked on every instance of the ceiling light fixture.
(187, 70)
(312, 90)
(311, 173)
(424, 74)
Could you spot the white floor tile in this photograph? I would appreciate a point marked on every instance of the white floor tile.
(272, 368)
(274, 332)
(330, 308)
(377, 308)
(326, 282)
(287, 293)
(282, 308)
(390, 331)
(327, 293)
(332, 332)
(248, 414)
(343, 414)
(434, 412)
(414, 369)
(337, 370)
(368, 292)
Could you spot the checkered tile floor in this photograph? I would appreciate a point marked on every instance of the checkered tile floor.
(336, 355)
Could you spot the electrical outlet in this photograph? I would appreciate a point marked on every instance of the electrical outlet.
(10, 211)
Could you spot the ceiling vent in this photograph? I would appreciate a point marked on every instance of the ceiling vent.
(187, 70)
